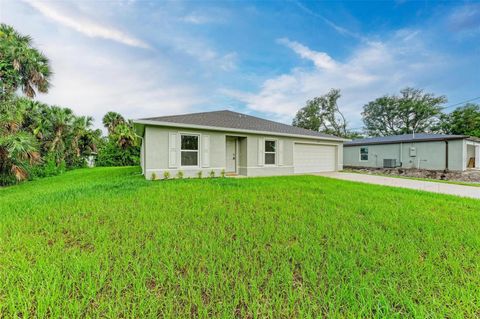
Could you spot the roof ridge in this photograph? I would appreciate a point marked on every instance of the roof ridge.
(185, 114)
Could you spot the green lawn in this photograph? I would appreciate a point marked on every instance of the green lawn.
(106, 243)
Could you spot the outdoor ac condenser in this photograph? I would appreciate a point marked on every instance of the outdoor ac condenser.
(389, 163)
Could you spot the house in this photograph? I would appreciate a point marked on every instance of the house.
(235, 143)
(421, 151)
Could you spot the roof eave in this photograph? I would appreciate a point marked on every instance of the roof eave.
(234, 130)
(423, 140)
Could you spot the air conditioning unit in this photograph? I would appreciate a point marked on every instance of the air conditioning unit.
(389, 163)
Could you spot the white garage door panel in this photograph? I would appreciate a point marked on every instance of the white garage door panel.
(309, 158)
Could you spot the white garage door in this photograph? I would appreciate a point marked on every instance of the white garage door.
(309, 158)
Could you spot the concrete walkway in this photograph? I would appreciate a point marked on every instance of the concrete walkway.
(434, 187)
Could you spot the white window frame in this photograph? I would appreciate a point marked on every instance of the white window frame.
(360, 154)
(197, 151)
(265, 151)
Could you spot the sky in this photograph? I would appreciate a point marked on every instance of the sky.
(264, 58)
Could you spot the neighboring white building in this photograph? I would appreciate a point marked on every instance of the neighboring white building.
(423, 151)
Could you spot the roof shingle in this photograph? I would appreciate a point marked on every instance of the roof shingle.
(229, 119)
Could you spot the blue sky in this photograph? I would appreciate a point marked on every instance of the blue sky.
(264, 58)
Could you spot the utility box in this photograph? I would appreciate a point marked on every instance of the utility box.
(389, 163)
(413, 152)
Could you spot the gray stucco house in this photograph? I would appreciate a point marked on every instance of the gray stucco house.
(236, 143)
(424, 151)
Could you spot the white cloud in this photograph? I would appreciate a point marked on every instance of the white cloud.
(373, 69)
(85, 26)
(465, 19)
(341, 30)
(195, 18)
(101, 81)
(320, 59)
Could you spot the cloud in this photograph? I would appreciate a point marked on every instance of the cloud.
(341, 30)
(465, 18)
(85, 26)
(320, 59)
(102, 81)
(195, 18)
(374, 68)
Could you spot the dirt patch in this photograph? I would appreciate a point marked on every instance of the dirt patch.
(471, 176)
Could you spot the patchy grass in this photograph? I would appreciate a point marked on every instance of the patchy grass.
(106, 243)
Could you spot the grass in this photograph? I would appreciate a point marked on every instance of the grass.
(107, 243)
(474, 184)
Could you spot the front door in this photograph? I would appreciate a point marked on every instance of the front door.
(231, 155)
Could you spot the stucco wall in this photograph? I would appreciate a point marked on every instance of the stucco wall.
(430, 155)
(157, 153)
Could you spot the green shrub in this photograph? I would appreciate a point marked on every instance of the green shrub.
(180, 175)
(111, 154)
(48, 168)
(199, 174)
(212, 173)
(222, 173)
(166, 175)
(154, 176)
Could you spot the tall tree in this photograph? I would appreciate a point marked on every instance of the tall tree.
(323, 114)
(18, 149)
(60, 120)
(464, 120)
(21, 65)
(411, 111)
(124, 135)
(111, 120)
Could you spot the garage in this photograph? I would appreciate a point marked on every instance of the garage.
(313, 158)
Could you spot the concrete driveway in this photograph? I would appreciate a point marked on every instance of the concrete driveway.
(434, 187)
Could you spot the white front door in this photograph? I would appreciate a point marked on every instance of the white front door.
(231, 155)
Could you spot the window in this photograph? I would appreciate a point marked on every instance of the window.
(189, 150)
(270, 152)
(364, 153)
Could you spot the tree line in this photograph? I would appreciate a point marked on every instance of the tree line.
(413, 110)
(38, 140)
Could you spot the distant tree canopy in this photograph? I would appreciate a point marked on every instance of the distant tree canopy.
(411, 111)
(323, 114)
(464, 120)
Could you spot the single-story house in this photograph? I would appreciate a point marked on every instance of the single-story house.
(421, 151)
(235, 143)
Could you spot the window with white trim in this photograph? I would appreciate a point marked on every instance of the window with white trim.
(270, 152)
(364, 153)
(189, 150)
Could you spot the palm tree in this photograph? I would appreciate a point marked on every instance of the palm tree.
(80, 128)
(21, 65)
(18, 149)
(60, 120)
(125, 135)
(111, 120)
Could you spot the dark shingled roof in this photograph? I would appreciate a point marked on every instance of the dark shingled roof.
(228, 119)
(419, 137)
